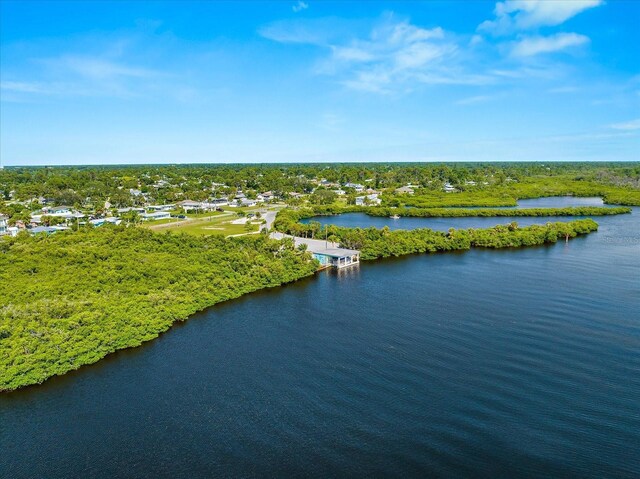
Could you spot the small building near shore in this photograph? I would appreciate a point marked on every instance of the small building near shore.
(327, 253)
(337, 257)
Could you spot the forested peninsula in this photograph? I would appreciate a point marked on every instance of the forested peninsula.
(72, 298)
(336, 209)
(375, 243)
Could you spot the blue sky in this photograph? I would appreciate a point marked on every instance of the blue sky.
(168, 82)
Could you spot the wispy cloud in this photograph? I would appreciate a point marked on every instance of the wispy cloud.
(298, 7)
(99, 65)
(23, 87)
(99, 68)
(535, 45)
(473, 100)
(394, 54)
(312, 31)
(512, 15)
(627, 125)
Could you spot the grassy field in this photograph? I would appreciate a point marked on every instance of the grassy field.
(205, 224)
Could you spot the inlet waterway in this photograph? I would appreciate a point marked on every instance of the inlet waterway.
(362, 220)
(507, 363)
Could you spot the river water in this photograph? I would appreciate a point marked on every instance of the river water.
(508, 363)
(362, 220)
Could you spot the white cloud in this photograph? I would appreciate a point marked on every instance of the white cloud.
(317, 31)
(87, 75)
(98, 68)
(394, 54)
(352, 54)
(512, 15)
(298, 7)
(535, 45)
(22, 87)
(628, 125)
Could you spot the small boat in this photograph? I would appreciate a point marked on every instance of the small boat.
(394, 217)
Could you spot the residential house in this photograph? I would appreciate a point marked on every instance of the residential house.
(267, 196)
(161, 207)
(405, 190)
(368, 200)
(101, 221)
(47, 229)
(189, 205)
(158, 215)
(355, 186)
(42, 229)
(126, 210)
(65, 212)
(218, 202)
(246, 202)
(56, 210)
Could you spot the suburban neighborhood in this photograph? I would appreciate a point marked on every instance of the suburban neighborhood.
(182, 200)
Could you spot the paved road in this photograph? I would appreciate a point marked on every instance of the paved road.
(269, 217)
(312, 244)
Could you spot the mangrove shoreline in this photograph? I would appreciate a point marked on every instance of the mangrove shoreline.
(73, 298)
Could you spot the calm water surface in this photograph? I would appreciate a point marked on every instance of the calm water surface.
(512, 363)
(361, 220)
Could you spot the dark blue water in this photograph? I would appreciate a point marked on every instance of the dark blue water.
(512, 363)
(362, 220)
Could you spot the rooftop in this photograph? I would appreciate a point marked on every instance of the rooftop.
(337, 252)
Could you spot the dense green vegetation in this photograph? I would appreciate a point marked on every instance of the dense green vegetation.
(487, 212)
(376, 243)
(336, 209)
(489, 184)
(381, 243)
(507, 193)
(72, 298)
